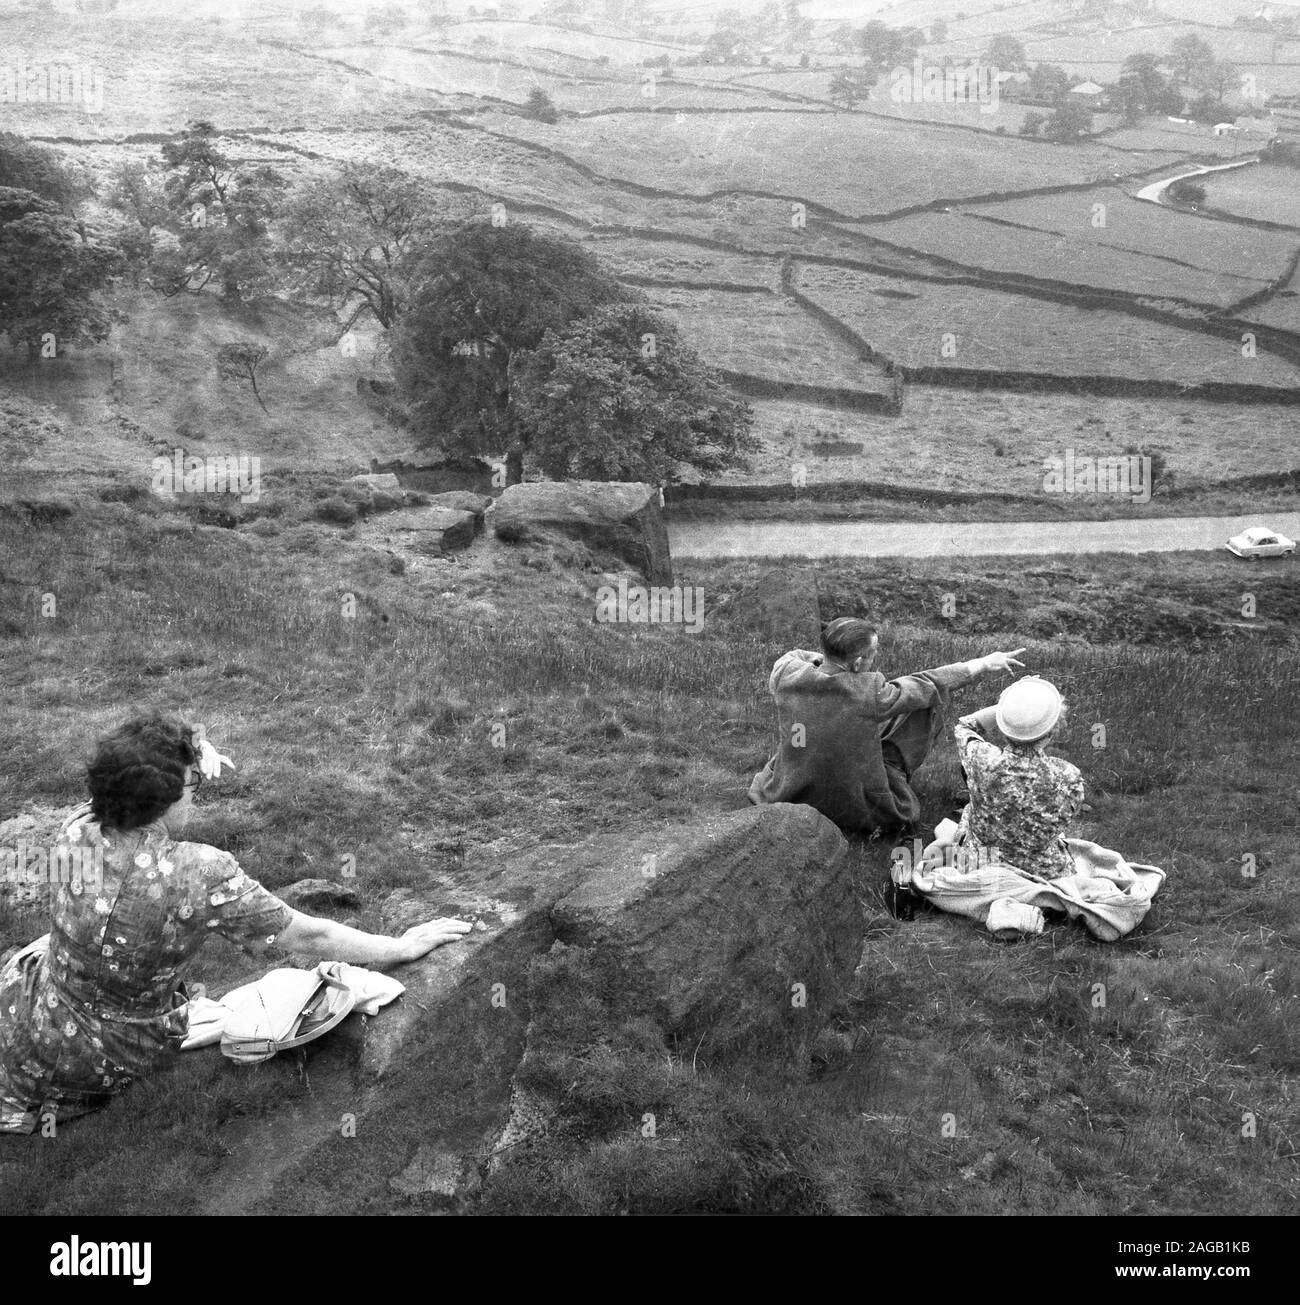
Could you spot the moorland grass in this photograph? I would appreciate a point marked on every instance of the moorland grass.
(964, 1074)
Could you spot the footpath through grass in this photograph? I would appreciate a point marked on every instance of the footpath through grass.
(359, 702)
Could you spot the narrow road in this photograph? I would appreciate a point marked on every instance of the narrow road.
(709, 539)
(1155, 191)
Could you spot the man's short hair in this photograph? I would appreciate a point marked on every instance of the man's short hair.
(846, 638)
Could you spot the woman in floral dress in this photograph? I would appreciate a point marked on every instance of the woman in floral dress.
(1022, 801)
(100, 1000)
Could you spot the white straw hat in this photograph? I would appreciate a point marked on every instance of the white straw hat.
(1028, 709)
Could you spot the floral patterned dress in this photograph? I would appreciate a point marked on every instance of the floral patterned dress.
(99, 1000)
(1021, 803)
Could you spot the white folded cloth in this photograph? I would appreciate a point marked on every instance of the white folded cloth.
(1006, 913)
(208, 1018)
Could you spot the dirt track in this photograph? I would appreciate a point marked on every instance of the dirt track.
(700, 539)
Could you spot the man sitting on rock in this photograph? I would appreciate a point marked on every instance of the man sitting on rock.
(850, 739)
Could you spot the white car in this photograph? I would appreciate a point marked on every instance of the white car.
(1260, 541)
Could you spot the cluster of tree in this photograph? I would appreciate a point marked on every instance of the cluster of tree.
(883, 47)
(503, 338)
(738, 36)
(1275, 21)
(516, 340)
(386, 21)
(1067, 122)
(1006, 54)
(56, 272)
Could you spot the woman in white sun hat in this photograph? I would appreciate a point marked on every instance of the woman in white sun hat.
(1021, 800)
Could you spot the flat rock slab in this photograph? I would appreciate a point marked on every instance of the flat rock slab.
(463, 500)
(379, 480)
(622, 518)
(434, 529)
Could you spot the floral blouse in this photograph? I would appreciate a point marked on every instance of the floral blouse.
(1021, 803)
(100, 1000)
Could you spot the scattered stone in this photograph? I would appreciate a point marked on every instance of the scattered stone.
(387, 482)
(622, 518)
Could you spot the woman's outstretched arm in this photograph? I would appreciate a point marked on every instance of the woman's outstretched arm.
(327, 940)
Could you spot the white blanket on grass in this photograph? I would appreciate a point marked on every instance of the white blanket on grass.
(1107, 893)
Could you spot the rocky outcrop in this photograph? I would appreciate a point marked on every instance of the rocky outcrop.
(733, 935)
(620, 518)
(738, 930)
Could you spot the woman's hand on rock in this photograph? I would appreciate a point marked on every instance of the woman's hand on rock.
(423, 938)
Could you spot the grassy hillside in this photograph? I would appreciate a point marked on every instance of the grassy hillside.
(371, 736)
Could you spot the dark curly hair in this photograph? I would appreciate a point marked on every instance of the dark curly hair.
(138, 770)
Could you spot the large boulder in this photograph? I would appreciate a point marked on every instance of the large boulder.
(782, 607)
(740, 930)
(622, 518)
(734, 934)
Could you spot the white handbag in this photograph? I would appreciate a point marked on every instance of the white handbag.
(283, 1009)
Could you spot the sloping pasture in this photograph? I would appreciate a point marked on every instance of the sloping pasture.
(1010, 333)
(849, 162)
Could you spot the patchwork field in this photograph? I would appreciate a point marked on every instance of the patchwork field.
(511, 37)
(1268, 192)
(666, 261)
(1071, 255)
(1135, 225)
(995, 441)
(851, 163)
(1004, 332)
(159, 77)
(768, 336)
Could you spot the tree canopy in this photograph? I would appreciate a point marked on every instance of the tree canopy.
(514, 339)
(346, 234)
(220, 216)
(617, 395)
(1006, 53)
(53, 278)
(480, 295)
(885, 47)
